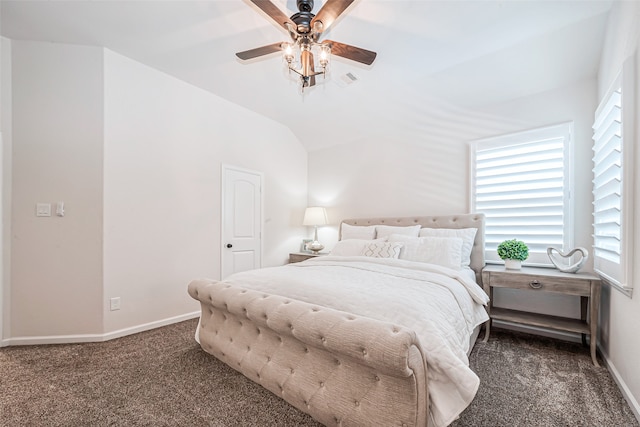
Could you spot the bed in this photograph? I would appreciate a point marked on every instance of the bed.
(357, 340)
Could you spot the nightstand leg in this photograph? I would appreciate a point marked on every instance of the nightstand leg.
(489, 290)
(593, 355)
(584, 301)
(487, 329)
(594, 306)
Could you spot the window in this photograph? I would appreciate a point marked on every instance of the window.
(613, 182)
(521, 182)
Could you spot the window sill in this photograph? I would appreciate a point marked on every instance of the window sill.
(625, 290)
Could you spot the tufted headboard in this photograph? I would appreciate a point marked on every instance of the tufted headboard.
(443, 221)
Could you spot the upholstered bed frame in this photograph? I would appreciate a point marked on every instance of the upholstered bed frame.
(342, 369)
(445, 221)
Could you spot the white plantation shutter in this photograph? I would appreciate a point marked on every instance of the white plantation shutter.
(607, 185)
(612, 184)
(521, 184)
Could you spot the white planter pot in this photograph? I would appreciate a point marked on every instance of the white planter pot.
(512, 264)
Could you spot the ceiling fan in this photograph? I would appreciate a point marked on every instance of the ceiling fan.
(305, 30)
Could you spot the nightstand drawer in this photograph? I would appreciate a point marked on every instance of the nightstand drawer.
(540, 283)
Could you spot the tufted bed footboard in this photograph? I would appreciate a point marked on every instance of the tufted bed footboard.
(342, 369)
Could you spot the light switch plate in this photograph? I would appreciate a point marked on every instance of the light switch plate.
(43, 209)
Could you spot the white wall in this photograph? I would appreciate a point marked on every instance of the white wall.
(135, 155)
(5, 177)
(2, 251)
(621, 314)
(165, 142)
(421, 167)
(56, 262)
(576, 103)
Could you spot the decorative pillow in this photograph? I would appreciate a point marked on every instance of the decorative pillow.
(402, 238)
(382, 250)
(351, 247)
(387, 230)
(357, 232)
(444, 251)
(466, 234)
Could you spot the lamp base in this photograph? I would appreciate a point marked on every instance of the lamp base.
(315, 246)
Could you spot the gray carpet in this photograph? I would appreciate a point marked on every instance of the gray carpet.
(162, 378)
(528, 380)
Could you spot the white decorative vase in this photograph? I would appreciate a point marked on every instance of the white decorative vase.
(584, 256)
(512, 264)
(315, 246)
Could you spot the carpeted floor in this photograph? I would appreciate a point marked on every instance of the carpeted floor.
(532, 381)
(163, 378)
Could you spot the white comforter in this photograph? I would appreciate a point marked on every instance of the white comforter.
(441, 305)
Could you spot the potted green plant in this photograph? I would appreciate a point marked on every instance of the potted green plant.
(513, 252)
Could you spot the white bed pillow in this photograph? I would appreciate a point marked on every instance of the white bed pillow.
(444, 251)
(351, 247)
(382, 250)
(367, 232)
(466, 234)
(388, 230)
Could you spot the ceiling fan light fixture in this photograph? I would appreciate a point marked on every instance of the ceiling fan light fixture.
(325, 56)
(306, 29)
(287, 52)
(301, 59)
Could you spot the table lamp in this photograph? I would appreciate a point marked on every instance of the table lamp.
(315, 216)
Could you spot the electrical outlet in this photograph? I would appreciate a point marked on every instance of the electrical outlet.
(115, 303)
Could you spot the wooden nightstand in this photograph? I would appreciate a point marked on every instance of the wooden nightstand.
(301, 256)
(584, 285)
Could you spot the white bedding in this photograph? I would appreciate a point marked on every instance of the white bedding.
(441, 305)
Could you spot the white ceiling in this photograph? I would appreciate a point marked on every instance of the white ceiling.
(463, 53)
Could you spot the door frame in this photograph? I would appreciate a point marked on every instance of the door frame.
(224, 168)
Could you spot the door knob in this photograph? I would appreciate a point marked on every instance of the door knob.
(229, 245)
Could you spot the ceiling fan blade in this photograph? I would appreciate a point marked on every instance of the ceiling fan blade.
(353, 53)
(274, 13)
(312, 78)
(307, 71)
(259, 51)
(329, 13)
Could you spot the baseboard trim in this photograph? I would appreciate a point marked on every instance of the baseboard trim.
(626, 393)
(83, 338)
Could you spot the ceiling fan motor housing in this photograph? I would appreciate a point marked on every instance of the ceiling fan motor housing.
(303, 18)
(304, 5)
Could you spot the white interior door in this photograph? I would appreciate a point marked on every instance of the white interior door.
(241, 220)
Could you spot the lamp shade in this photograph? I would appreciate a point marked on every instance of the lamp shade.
(315, 216)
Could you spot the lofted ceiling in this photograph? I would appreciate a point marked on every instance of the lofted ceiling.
(463, 53)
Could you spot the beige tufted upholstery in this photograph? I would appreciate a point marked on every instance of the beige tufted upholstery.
(342, 369)
(442, 221)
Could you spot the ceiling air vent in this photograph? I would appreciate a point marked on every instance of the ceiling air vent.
(346, 79)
